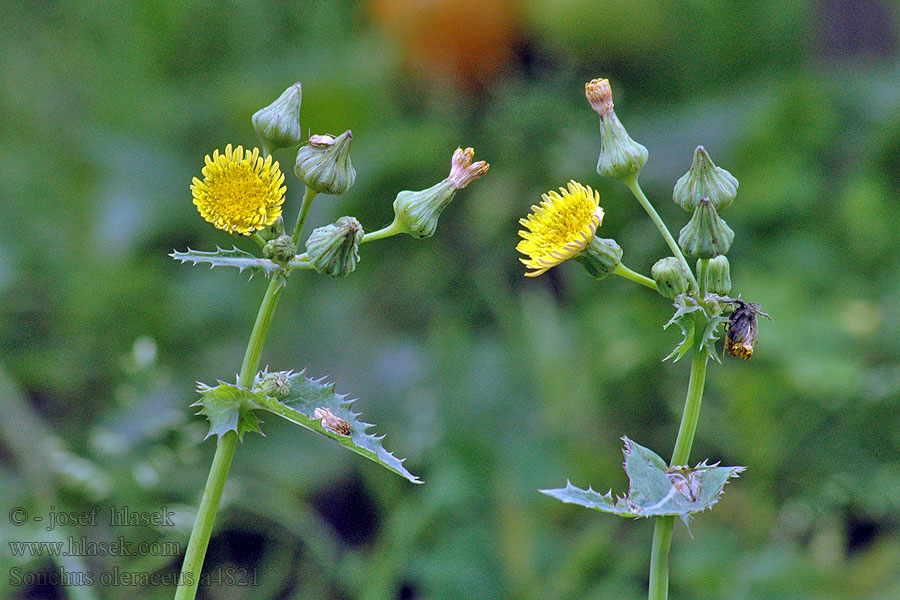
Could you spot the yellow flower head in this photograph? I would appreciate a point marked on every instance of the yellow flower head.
(560, 228)
(240, 191)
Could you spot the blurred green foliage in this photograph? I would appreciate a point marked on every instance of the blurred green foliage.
(493, 385)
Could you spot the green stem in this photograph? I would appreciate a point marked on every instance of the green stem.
(218, 472)
(659, 558)
(623, 271)
(393, 229)
(308, 196)
(631, 182)
(662, 532)
(259, 240)
(702, 275)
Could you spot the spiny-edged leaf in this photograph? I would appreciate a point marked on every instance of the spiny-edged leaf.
(591, 499)
(685, 322)
(228, 408)
(711, 335)
(654, 488)
(298, 405)
(228, 258)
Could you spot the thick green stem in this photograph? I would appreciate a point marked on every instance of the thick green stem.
(691, 414)
(218, 472)
(631, 182)
(623, 271)
(308, 196)
(662, 532)
(659, 558)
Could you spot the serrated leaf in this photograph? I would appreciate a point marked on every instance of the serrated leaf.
(299, 406)
(711, 336)
(654, 488)
(685, 322)
(228, 258)
(228, 408)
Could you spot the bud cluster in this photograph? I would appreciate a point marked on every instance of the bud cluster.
(705, 189)
(323, 164)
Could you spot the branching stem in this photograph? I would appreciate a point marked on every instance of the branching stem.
(631, 182)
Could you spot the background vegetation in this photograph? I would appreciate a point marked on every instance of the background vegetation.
(492, 384)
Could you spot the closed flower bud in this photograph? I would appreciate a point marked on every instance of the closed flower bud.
(281, 249)
(620, 156)
(670, 276)
(278, 124)
(705, 180)
(600, 257)
(417, 213)
(334, 249)
(706, 235)
(324, 164)
(275, 385)
(718, 276)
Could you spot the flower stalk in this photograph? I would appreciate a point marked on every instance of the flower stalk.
(631, 182)
(662, 531)
(218, 472)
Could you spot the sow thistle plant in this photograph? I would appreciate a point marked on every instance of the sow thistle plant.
(564, 226)
(242, 192)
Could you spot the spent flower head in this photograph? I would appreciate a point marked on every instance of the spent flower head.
(241, 192)
(417, 213)
(463, 171)
(560, 227)
(620, 156)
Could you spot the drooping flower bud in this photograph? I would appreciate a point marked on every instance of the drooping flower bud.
(718, 276)
(417, 213)
(324, 163)
(705, 180)
(742, 329)
(334, 249)
(671, 277)
(280, 250)
(620, 156)
(600, 257)
(706, 235)
(276, 384)
(278, 124)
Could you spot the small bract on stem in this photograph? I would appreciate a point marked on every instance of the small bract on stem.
(564, 225)
(242, 192)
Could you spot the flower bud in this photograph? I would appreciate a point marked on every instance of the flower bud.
(705, 180)
(600, 257)
(275, 385)
(278, 124)
(324, 163)
(671, 277)
(281, 249)
(418, 212)
(620, 156)
(334, 249)
(718, 276)
(706, 235)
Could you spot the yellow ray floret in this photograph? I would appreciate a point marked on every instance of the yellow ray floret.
(241, 192)
(560, 227)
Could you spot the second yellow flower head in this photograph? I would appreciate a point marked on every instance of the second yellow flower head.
(560, 227)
